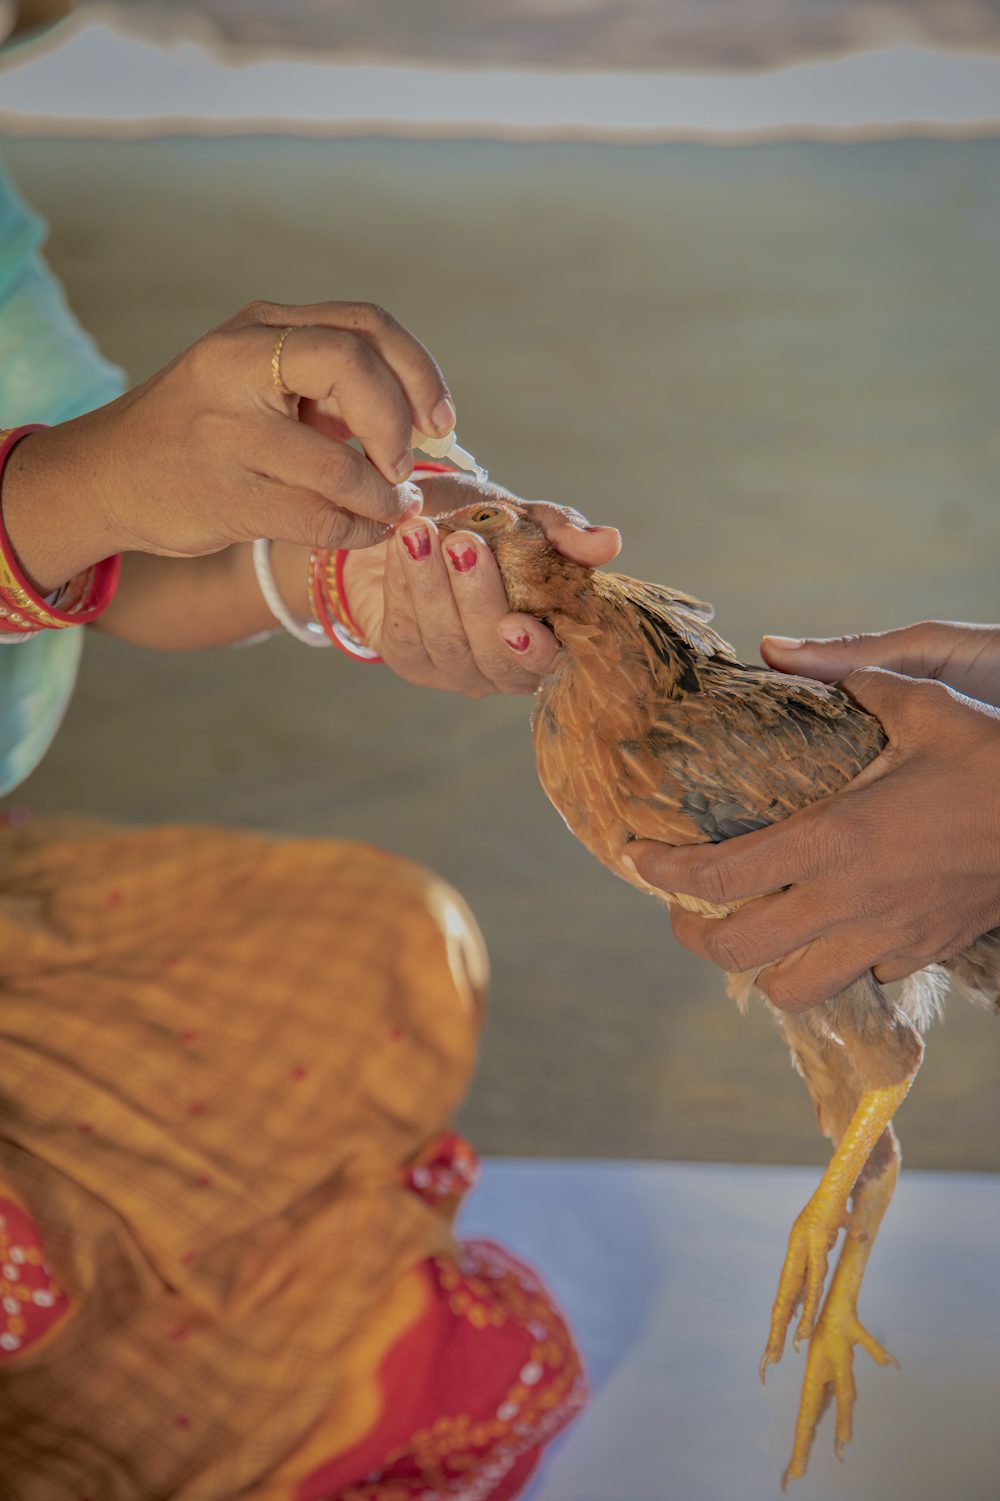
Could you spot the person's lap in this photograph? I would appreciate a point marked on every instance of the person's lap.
(227, 1061)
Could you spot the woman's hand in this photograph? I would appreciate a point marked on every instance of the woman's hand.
(898, 870)
(447, 627)
(208, 452)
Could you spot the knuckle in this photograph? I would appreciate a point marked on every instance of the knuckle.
(206, 425)
(572, 517)
(840, 844)
(336, 474)
(453, 653)
(202, 361)
(919, 632)
(727, 946)
(925, 700)
(793, 992)
(323, 526)
(925, 692)
(377, 317)
(864, 679)
(712, 882)
(260, 311)
(913, 938)
(361, 534)
(553, 514)
(353, 353)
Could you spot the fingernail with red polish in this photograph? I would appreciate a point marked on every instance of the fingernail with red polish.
(417, 542)
(519, 642)
(462, 558)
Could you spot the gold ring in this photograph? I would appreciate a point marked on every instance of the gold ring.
(276, 363)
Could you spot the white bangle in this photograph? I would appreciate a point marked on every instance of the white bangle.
(306, 631)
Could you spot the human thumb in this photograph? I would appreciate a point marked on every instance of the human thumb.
(831, 659)
(903, 705)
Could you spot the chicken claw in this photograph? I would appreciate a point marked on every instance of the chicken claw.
(816, 1228)
(829, 1364)
(803, 1275)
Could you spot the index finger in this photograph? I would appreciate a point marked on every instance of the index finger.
(306, 460)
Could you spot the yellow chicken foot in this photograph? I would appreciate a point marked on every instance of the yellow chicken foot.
(829, 1364)
(817, 1227)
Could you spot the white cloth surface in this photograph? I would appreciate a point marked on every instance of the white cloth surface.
(667, 1272)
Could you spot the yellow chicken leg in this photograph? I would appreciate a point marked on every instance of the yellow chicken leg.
(817, 1227)
(829, 1364)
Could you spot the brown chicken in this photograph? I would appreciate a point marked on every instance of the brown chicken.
(651, 728)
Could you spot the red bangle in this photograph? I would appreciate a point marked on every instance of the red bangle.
(330, 609)
(338, 574)
(23, 611)
(354, 644)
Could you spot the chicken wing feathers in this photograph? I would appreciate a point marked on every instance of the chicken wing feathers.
(692, 744)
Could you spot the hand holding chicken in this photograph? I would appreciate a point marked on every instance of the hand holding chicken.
(435, 608)
(899, 870)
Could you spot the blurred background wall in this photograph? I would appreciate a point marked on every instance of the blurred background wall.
(725, 34)
(773, 362)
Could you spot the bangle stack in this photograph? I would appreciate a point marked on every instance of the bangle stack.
(332, 623)
(331, 611)
(23, 612)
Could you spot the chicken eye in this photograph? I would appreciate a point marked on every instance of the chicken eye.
(488, 513)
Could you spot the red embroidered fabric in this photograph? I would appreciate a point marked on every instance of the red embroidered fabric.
(31, 1303)
(473, 1393)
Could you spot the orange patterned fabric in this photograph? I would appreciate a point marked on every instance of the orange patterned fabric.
(227, 1063)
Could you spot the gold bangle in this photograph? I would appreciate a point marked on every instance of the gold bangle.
(315, 566)
(332, 591)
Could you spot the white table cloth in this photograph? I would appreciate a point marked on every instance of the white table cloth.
(667, 1272)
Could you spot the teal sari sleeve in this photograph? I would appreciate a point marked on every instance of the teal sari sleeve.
(50, 371)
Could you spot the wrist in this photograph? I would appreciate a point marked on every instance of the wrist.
(364, 570)
(55, 526)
